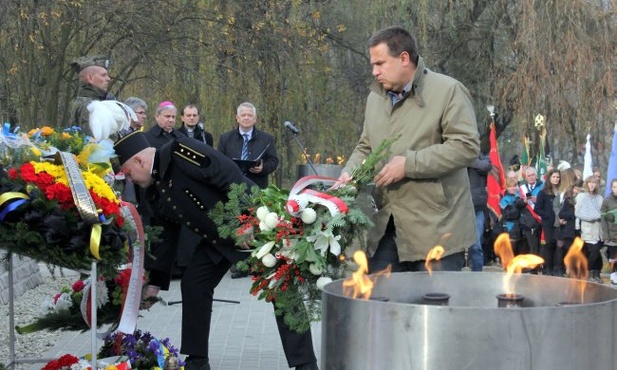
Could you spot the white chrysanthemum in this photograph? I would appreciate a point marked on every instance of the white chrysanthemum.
(265, 249)
(47, 306)
(308, 216)
(272, 220)
(262, 212)
(322, 282)
(64, 302)
(269, 260)
(315, 269)
(102, 294)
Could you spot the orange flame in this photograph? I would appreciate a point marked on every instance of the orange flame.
(359, 284)
(503, 248)
(512, 265)
(523, 261)
(576, 265)
(575, 260)
(433, 255)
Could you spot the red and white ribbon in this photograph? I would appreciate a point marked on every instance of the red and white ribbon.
(130, 310)
(299, 195)
(130, 307)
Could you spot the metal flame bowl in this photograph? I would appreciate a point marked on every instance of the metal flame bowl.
(551, 329)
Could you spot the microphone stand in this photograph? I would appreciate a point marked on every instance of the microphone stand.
(308, 159)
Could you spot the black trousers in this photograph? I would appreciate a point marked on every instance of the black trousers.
(199, 280)
(532, 241)
(594, 258)
(298, 347)
(387, 254)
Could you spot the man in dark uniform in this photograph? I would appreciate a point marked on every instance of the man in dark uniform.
(93, 84)
(248, 143)
(160, 134)
(183, 180)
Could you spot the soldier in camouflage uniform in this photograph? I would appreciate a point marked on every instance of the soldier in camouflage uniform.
(93, 84)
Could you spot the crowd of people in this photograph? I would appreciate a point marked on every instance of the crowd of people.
(544, 216)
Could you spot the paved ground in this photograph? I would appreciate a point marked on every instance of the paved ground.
(243, 336)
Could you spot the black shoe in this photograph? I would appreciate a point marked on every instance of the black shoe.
(309, 366)
(197, 364)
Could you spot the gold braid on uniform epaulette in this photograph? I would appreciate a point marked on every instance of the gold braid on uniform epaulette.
(189, 154)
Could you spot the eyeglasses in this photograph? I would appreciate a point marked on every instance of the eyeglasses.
(140, 112)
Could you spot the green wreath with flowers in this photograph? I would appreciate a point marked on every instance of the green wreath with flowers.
(295, 253)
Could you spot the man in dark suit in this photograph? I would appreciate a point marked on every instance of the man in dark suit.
(164, 130)
(248, 143)
(183, 180)
(191, 126)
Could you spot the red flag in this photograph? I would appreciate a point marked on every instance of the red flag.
(496, 181)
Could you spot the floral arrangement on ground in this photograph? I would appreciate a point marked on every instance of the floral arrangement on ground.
(69, 309)
(39, 214)
(300, 238)
(139, 351)
(144, 351)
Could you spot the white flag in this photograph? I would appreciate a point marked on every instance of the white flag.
(588, 166)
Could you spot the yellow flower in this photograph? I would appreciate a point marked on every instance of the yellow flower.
(54, 170)
(93, 181)
(66, 135)
(99, 186)
(47, 131)
(111, 367)
(35, 151)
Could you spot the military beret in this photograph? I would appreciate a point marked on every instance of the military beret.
(129, 145)
(93, 60)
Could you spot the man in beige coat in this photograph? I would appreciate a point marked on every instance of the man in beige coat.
(422, 192)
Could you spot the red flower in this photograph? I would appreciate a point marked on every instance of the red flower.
(61, 193)
(78, 286)
(63, 362)
(123, 278)
(41, 179)
(109, 208)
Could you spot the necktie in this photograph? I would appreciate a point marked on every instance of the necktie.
(245, 147)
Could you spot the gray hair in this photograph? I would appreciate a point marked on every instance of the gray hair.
(162, 108)
(246, 105)
(135, 103)
(531, 170)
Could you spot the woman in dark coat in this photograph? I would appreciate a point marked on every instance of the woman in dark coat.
(566, 218)
(544, 208)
